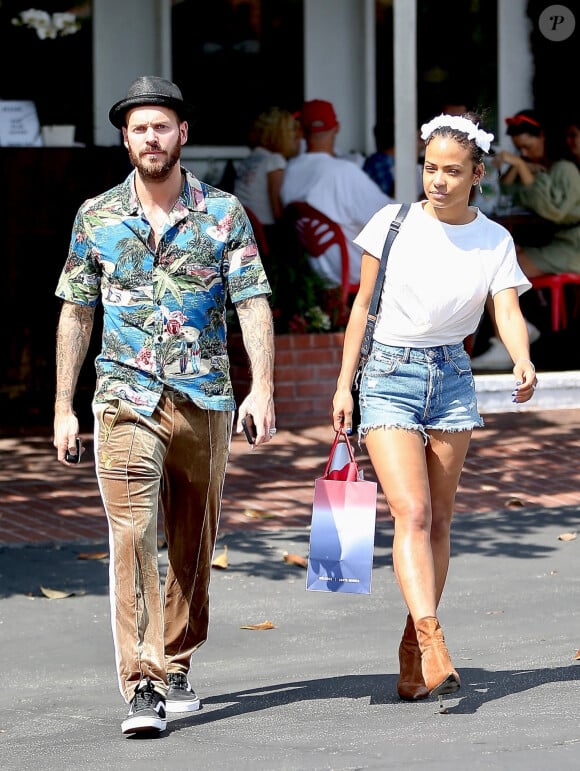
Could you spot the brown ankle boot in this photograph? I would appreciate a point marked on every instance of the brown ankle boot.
(440, 676)
(410, 685)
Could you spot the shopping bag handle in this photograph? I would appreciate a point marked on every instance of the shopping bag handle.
(340, 433)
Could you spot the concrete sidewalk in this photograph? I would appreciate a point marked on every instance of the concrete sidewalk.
(528, 458)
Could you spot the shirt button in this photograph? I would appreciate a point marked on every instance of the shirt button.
(160, 339)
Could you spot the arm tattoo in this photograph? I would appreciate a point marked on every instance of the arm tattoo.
(258, 334)
(72, 342)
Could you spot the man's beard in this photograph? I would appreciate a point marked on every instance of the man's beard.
(157, 169)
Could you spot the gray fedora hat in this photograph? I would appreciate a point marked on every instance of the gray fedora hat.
(150, 90)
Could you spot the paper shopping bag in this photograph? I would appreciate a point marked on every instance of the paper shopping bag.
(342, 535)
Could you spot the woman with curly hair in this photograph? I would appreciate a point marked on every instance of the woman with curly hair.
(273, 139)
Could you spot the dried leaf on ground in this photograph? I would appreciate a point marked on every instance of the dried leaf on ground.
(567, 537)
(493, 612)
(514, 503)
(255, 514)
(577, 654)
(92, 555)
(295, 559)
(221, 561)
(55, 594)
(259, 627)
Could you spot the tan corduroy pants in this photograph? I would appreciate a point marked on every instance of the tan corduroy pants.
(171, 464)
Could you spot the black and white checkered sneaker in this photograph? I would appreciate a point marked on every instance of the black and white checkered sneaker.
(180, 697)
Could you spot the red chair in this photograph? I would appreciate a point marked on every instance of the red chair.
(556, 283)
(316, 232)
(259, 232)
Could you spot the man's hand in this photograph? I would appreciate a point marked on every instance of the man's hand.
(258, 335)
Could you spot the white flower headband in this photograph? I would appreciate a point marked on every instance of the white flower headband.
(482, 139)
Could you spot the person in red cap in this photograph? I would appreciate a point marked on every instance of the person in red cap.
(337, 187)
(318, 115)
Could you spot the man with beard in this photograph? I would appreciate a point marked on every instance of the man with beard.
(160, 252)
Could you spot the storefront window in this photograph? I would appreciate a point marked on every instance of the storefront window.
(456, 57)
(46, 57)
(231, 58)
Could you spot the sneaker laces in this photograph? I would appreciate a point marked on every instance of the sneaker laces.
(144, 697)
(178, 680)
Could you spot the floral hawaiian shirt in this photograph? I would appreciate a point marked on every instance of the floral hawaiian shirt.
(164, 309)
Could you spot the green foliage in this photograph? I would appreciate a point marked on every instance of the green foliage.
(301, 301)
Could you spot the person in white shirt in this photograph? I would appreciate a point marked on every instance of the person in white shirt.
(337, 187)
(417, 393)
(274, 137)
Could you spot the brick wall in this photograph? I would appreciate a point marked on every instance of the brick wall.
(305, 372)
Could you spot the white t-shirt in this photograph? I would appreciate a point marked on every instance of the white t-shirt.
(438, 275)
(251, 183)
(340, 189)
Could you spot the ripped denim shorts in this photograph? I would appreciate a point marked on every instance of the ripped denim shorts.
(418, 388)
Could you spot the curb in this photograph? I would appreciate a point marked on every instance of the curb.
(556, 390)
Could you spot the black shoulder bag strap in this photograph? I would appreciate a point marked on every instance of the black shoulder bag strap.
(367, 340)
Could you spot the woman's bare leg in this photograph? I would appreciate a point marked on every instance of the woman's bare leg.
(445, 458)
(420, 483)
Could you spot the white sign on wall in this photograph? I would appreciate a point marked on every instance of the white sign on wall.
(19, 126)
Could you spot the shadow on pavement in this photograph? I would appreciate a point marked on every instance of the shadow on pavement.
(24, 570)
(515, 533)
(479, 686)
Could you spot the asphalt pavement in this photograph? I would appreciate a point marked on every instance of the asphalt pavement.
(317, 691)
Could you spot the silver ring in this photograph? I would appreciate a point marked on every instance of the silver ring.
(272, 431)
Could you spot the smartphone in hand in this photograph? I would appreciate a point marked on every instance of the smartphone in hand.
(249, 429)
(74, 457)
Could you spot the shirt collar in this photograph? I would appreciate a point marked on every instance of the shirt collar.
(192, 195)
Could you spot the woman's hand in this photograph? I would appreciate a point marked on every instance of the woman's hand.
(518, 167)
(342, 409)
(504, 156)
(526, 381)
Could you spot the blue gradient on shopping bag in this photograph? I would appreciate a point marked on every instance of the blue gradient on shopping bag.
(342, 537)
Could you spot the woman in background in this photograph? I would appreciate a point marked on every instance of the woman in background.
(274, 138)
(550, 187)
